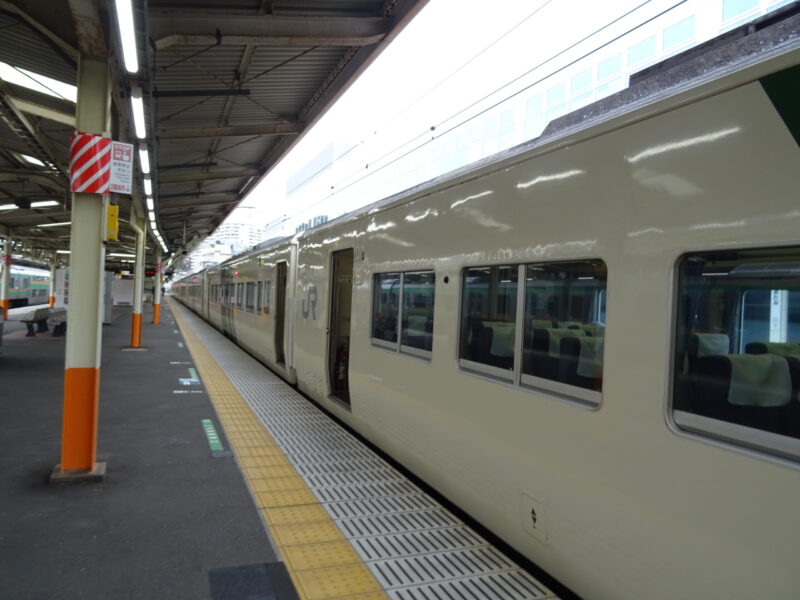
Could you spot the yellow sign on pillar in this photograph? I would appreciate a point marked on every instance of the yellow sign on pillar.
(112, 228)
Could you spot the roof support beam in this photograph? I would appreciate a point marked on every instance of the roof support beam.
(182, 133)
(191, 177)
(39, 110)
(32, 176)
(189, 201)
(175, 28)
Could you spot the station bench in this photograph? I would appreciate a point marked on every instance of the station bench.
(40, 317)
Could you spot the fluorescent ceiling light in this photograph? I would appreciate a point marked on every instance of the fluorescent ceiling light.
(138, 112)
(55, 224)
(8, 206)
(121, 254)
(149, 200)
(144, 160)
(62, 251)
(148, 186)
(152, 215)
(45, 203)
(38, 83)
(32, 160)
(127, 34)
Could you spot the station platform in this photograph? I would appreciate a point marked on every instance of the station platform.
(223, 482)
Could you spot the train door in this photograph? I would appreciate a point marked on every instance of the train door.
(280, 311)
(339, 341)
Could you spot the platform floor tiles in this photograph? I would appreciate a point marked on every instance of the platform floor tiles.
(347, 524)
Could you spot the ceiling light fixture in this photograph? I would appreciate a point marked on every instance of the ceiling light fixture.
(138, 112)
(127, 34)
(55, 224)
(144, 160)
(45, 203)
(32, 160)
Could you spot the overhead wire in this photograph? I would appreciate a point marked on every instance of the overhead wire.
(505, 99)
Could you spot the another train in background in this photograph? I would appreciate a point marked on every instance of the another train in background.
(28, 286)
(589, 343)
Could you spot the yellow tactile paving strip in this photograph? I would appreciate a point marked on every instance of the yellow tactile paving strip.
(320, 561)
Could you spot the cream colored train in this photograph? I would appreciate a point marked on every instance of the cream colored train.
(590, 343)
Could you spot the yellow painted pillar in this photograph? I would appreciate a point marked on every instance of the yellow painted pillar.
(157, 289)
(5, 281)
(140, 226)
(85, 309)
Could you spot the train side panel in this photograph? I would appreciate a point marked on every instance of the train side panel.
(262, 278)
(610, 481)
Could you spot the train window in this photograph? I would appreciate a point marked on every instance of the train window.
(564, 325)
(737, 348)
(405, 298)
(385, 304)
(267, 296)
(250, 296)
(239, 295)
(417, 317)
(488, 319)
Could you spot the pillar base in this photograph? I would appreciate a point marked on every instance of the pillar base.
(78, 475)
(135, 349)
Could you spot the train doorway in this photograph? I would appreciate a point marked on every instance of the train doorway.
(339, 341)
(280, 311)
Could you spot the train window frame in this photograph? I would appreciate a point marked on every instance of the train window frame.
(583, 397)
(397, 346)
(753, 441)
(250, 293)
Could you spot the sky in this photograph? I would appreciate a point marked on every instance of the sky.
(452, 53)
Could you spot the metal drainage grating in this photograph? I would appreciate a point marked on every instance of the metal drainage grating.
(417, 543)
(379, 506)
(503, 586)
(414, 547)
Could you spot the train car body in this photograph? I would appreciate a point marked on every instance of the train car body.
(29, 286)
(590, 344)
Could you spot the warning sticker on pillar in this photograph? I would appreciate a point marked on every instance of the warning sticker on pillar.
(99, 165)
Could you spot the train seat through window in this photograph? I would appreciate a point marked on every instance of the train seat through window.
(747, 389)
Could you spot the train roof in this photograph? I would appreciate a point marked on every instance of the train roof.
(770, 36)
(25, 270)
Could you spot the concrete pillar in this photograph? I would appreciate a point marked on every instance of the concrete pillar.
(140, 226)
(157, 289)
(5, 281)
(53, 266)
(85, 312)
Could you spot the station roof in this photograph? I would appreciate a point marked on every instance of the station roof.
(228, 87)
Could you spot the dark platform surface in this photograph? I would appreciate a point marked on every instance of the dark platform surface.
(167, 514)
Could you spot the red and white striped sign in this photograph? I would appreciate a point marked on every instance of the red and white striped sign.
(90, 163)
(7, 260)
